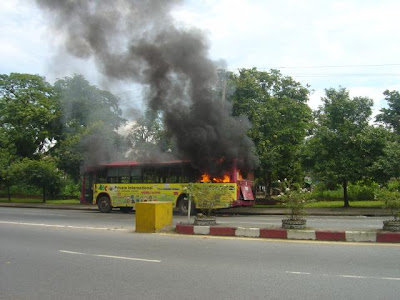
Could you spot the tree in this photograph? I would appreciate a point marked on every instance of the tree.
(148, 139)
(28, 113)
(391, 115)
(388, 165)
(7, 156)
(89, 120)
(343, 146)
(83, 104)
(276, 107)
(42, 174)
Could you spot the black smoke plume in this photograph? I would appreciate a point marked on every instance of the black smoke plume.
(138, 41)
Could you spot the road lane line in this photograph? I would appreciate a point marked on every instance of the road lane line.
(62, 226)
(112, 256)
(72, 252)
(367, 277)
(344, 276)
(128, 258)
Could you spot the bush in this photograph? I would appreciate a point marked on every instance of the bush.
(362, 190)
(359, 191)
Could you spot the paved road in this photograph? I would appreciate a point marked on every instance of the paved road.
(118, 220)
(49, 262)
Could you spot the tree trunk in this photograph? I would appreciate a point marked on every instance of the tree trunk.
(345, 196)
(44, 194)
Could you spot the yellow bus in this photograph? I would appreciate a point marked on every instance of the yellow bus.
(122, 184)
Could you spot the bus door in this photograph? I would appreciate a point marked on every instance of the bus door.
(87, 189)
(245, 189)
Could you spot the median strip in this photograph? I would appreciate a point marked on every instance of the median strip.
(292, 234)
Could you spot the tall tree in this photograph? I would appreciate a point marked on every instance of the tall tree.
(89, 120)
(343, 145)
(391, 115)
(148, 139)
(7, 156)
(276, 107)
(28, 113)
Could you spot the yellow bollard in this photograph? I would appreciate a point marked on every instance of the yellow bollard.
(153, 216)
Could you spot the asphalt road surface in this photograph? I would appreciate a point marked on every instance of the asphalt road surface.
(119, 220)
(42, 260)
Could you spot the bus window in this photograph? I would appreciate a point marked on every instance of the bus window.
(162, 174)
(175, 174)
(136, 174)
(101, 176)
(149, 175)
(112, 175)
(123, 174)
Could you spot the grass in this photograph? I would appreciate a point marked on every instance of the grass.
(316, 204)
(332, 204)
(32, 200)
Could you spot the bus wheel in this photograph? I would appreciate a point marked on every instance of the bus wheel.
(104, 204)
(126, 210)
(183, 205)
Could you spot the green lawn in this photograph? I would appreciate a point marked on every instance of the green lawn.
(31, 200)
(332, 204)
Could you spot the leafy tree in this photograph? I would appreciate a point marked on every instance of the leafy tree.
(391, 115)
(28, 113)
(89, 120)
(388, 165)
(276, 107)
(148, 139)
(343, 146)
(84, 104)
(42, 174)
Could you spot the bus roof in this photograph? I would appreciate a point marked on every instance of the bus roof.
(136, 163)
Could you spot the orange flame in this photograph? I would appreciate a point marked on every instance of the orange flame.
(206, 178)
(239, 175)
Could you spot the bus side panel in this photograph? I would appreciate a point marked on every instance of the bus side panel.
(126, 195)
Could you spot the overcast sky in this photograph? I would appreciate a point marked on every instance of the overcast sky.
(355, 44)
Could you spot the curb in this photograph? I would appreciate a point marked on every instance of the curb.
(292, 234)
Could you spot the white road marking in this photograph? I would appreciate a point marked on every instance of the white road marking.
(368, 277)
(62, 226)
(112, 256)
(345, 276)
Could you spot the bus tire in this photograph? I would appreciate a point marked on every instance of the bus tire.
(126, 210)
(104, 204)
(183, 204)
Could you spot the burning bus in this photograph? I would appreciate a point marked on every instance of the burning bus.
(122, 184)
